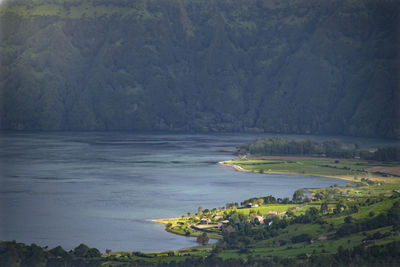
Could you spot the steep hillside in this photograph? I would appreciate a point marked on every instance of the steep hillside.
(228, 65)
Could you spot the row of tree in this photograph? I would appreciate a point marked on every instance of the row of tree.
(19, 254)
(329, 148)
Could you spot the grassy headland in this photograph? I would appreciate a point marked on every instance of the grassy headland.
(347, 169)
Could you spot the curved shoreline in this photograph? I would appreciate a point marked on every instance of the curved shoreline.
(241, 169)
(162, 220)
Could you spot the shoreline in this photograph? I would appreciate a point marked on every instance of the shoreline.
(241, 169)
(197, 232)
(162, 220)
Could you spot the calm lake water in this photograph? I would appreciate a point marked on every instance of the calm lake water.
(102, 189)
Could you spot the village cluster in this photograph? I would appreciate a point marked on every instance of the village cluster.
(217, 221)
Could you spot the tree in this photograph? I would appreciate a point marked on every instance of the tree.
(35, 256)
(290, 213)
(340, 206)
(348, 219)
(324, 207)
(58, 252)
(298, 195)
(200, 210)
(357, 145)
(312, 212)
(203, 239)
(332, 146)
(81, 251)
(301, 238)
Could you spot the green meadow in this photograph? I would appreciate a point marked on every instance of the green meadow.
(350, 169)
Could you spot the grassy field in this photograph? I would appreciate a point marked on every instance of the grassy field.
(265, 209)
(323, 239)
(118, 258)
(344, 169)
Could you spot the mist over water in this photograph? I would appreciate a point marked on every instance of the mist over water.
(102, 189)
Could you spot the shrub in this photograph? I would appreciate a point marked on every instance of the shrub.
(301, 238)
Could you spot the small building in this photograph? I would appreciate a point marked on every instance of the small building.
(260, 219)
(368, 242)
(225, 222)
(218, 217)
(274, 213)
(251, 205)
(204, 221)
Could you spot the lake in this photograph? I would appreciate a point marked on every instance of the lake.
(103, 189)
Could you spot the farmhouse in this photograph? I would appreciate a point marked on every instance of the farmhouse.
(218, 217)
(275, 213)
(260, 219)
(204, 221)
(368, 242)
(225, 222)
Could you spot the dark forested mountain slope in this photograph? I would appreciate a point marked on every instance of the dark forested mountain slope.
(302, 66)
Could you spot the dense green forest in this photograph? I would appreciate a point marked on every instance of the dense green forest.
(305, 66)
